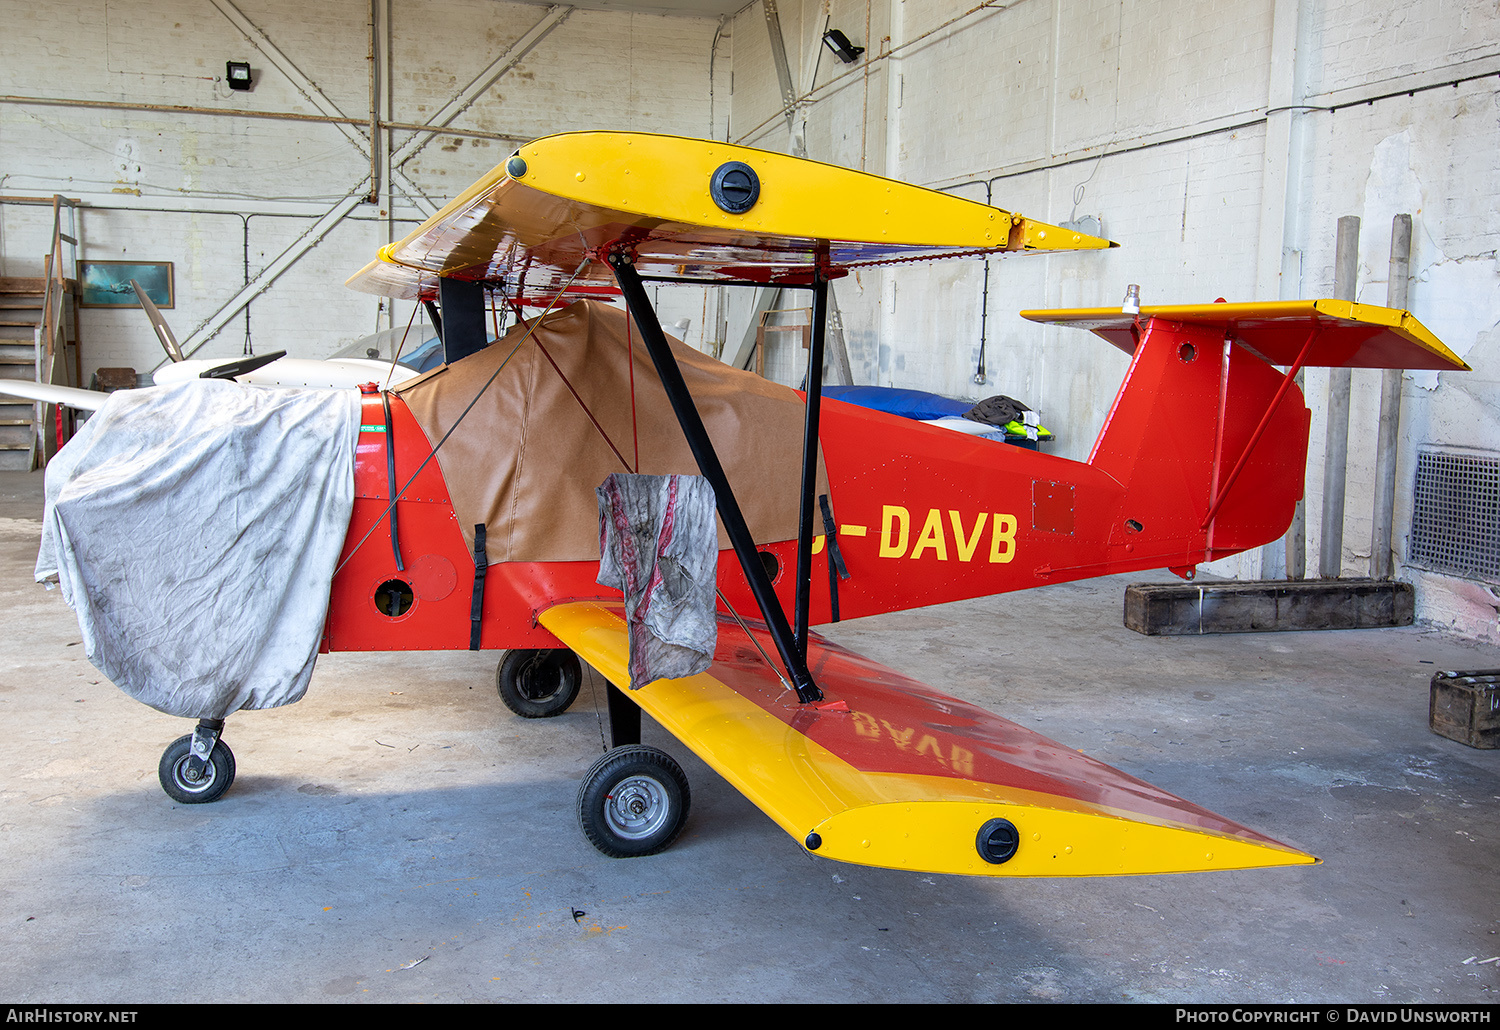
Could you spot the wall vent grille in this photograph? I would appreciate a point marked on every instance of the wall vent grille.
(1455, 523)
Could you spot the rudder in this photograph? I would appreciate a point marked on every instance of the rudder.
(1184, 417)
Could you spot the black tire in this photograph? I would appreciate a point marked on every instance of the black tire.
(633, 802)
(218, 774)
(539, 684)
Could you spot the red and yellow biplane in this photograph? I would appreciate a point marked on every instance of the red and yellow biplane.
(475, 519)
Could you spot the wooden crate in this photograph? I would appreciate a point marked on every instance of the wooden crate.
(1465, 706)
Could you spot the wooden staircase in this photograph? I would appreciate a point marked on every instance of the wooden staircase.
(38, 342)
(28, 432)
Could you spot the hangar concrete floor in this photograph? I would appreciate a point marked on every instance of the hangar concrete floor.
(399, 836)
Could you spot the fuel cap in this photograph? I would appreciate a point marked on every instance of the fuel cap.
(735, 187)
(997, 841)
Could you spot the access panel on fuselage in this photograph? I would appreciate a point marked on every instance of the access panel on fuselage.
(374, 606)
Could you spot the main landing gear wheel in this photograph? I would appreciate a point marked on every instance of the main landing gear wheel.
(633, 802)
(539, 684)
(177, 777)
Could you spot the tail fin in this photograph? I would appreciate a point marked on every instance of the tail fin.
(1208, 439)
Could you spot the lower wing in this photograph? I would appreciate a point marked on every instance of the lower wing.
(889, 772)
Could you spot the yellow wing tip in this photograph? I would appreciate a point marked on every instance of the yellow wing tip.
(1034, 235)
(357, 277)
(947, 837)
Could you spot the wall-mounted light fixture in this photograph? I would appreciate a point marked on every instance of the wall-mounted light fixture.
(840, 45)
(237, 74)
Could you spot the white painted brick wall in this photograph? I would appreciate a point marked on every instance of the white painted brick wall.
(596, 70)
(1037, 82)
(1432, 157)
(1367, 41)
(756, 97)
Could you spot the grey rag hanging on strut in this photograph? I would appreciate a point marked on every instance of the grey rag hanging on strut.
(658, 541)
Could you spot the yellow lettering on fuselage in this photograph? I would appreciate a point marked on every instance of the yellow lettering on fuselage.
(895, 533)
(890, 515)
(966, 547)
(932, 537)
(1003, 540)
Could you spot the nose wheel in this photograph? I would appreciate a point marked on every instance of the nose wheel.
(199, 767)
(633, 802)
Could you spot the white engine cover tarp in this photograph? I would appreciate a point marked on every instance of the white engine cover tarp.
(195, 529)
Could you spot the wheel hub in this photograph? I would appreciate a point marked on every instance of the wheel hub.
(541, 680)
(637, 807)
(191, 781)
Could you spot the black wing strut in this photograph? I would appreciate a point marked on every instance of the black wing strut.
(791, 646)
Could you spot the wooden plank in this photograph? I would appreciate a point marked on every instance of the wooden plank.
(1178, 609)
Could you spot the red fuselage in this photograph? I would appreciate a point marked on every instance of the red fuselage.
(925, 515)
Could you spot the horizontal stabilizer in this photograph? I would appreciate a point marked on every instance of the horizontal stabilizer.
(889, 772)
(1348, 335)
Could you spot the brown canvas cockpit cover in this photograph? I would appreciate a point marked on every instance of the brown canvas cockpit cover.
(527, 459)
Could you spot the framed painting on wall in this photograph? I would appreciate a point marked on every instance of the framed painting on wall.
(106, 284)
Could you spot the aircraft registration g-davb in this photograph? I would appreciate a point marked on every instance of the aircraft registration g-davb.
(475, 518)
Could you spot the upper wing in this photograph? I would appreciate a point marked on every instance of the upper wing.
(902, 776)
(689, 208)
